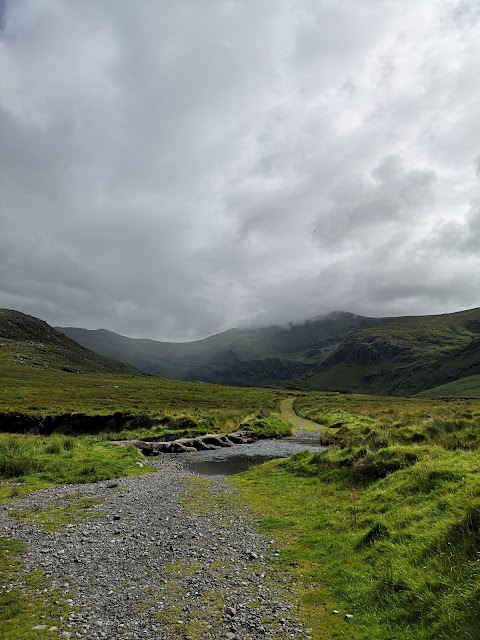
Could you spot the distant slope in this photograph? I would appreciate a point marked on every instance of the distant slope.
(25, 340)
(404, 356)
(341, 352)
(269, 356)
(463, 388)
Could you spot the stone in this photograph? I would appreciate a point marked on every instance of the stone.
(230, 611)
(39, 627)
(348, 616)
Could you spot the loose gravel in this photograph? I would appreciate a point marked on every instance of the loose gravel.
(174, 556)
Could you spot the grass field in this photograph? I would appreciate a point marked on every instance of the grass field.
(51, 392)
(385, 525)
(29, 462)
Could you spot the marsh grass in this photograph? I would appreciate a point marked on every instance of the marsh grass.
(53, 393)
(376, 422)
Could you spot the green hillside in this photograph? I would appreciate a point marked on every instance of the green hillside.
(268, 356)
(31, 343)
(463, 388)
(340, 352)
(403, 357)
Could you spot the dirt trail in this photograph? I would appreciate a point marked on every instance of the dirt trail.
(302, 424)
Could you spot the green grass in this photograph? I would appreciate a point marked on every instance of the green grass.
(26, 598)
(374, 421)
(381, 526)
(271, 426)
(47, 392)
(29, 462)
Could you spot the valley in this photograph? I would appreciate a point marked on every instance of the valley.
(337, 352)
(383, 524)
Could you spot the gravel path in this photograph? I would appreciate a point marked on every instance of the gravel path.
(173, 556)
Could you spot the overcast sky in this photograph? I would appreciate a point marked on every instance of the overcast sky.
(172, 169)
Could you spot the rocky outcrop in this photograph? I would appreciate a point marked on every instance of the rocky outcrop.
(198, 443)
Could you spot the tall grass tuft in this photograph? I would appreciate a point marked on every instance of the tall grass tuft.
(42, 460)
(17, 456)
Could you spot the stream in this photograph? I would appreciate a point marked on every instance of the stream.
(241, 457)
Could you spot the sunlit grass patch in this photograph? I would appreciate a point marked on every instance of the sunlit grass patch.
(386, 523)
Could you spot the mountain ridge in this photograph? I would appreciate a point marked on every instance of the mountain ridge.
(245, 357)
(339, 351)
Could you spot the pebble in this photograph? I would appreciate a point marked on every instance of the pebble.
(163, 559)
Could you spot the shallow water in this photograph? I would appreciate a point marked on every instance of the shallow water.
(241, 457)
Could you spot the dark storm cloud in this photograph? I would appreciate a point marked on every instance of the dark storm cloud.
(172, 169)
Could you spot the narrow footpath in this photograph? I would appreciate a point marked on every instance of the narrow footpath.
(302, 424)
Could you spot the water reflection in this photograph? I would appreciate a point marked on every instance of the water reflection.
(230, 460)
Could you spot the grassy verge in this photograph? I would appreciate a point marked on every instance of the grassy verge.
(30, 462)
(381, 526)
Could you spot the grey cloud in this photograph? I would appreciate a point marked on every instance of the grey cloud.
(392, 196)
(460, 237)
(173, 169)
(476, 164)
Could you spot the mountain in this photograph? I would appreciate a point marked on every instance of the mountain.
(403, 356)
(25, 340)
(267, 356)
(340, 351)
